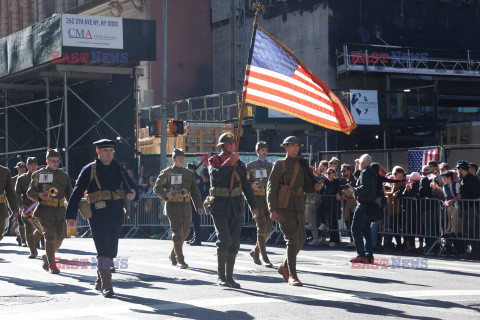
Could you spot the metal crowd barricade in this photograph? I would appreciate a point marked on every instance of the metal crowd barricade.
(462, 220)
(149, 213)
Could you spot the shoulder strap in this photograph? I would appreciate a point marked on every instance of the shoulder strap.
(294, 176)
(93, 174)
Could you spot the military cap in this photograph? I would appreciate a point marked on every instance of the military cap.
(462, 165)
(104, 143)
(53, 153)
(20, 164)
(31, 160)
(178, 152)
(225, 138)
(291, 139)
(261, 145)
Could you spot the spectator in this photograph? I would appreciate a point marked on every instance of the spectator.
(443, 167)
(434, 166)
(412, 211)
(396, 216)
(429, 209)
(473, 168)
(329, 209)
(365, 193)
(334, 162)
(132, 176)
(469, 190)
(346, 196)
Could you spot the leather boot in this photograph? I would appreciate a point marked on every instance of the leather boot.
(179, 253)
(32, 245)
(45, 263)
(292, 267)
(262, 245)
(221, 261)
(172, 258)
(98, 282)
(104, 264)
(19, 240)
(283, 270)
(255, 254)
(229, 270)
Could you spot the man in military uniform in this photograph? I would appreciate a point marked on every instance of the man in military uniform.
(22, 241)
(258, 172)
(177, 186)
(107, 185)
(286, 190)
(50, 187)
(23, 182)
(7, 192)
(228, 177)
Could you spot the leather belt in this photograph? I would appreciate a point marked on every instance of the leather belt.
(53, 202)
(179, 198)
(225, 192)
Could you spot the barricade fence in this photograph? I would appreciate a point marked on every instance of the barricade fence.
(411, 218)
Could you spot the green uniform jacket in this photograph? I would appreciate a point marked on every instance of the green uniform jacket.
(61, 181)
(296, 201)
(6, 186)
(189, 183)
(21, 187)
(259, 165)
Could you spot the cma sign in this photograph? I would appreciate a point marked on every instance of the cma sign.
(79, 33)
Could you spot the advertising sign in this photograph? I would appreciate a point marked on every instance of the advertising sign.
(364, 106)
(92, 31)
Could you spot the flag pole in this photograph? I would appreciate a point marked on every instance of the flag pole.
(259, 8)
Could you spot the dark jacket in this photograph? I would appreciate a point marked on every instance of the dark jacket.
(469, 187)
(425, 191)
(366, 189)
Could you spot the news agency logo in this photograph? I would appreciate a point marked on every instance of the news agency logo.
(92, 263)
(94, 56)
(79, 34)
(393, 263)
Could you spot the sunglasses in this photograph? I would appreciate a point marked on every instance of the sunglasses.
(345, 170)
(331, 172)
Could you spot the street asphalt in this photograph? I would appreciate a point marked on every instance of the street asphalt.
(148, 287)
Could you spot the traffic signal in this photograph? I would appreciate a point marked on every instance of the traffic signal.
(175, 127)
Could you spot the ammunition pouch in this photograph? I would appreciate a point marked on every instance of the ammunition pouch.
(3, 197)
(285, 193)
(225, 192)
(180, 198)
(53, 202)
(259, 193)
(105, 195)
(85, 209)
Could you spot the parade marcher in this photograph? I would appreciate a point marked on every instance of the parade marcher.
(177, 186)
(286, 190)
(196, 239)
(22, 241)
(32, 232)
(7, 192)
(228, 178)
(50, 187)
(258, 172)
(107, 185)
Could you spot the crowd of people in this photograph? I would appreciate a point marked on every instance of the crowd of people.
(413, 206)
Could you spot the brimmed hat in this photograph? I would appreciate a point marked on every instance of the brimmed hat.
(291, 139)
(225, 138)
(31, 160)
(178, 152)
(20, 164)
(104, 143)
(52, 153)
(462, 165)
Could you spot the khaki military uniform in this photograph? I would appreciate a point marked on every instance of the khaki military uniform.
(259, 171)
(7, 192)
(21, 224)
(32, 234)
(290, 205)
(178, 209)
(51, 212)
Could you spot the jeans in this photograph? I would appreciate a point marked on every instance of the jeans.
(375, 225)
(361, 232)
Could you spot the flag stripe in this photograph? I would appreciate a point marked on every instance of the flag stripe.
(270, 99)
(295, 83)
(284, 90)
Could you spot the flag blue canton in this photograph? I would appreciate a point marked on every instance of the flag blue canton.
(268, 54)
(415, 160)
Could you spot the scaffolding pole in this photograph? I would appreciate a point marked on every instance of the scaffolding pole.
(47, 105)
(6, 129)
(65, 117)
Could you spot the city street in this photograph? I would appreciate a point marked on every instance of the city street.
(148, 287)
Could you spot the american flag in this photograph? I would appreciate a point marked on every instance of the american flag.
(276, 79)
(419, 158)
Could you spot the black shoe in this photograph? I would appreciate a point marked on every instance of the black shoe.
(369, 259)
(232, 284)
(33, 255)
(195, 243)
(24, 245)
(19, 241)
(108, 293)
(113, 270)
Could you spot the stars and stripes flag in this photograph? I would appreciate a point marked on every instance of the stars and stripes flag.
(419, 158)
(276, 79)
(29, 210)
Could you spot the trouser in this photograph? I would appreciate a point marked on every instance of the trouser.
(471, 228)
(54, 232)
(32, 234)
(311, 204)
(196, 224)
(180, 216)
(105, 232)
(332, 219)
(361, 232)
(292, 224)
(227, 227)
(430, 221)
